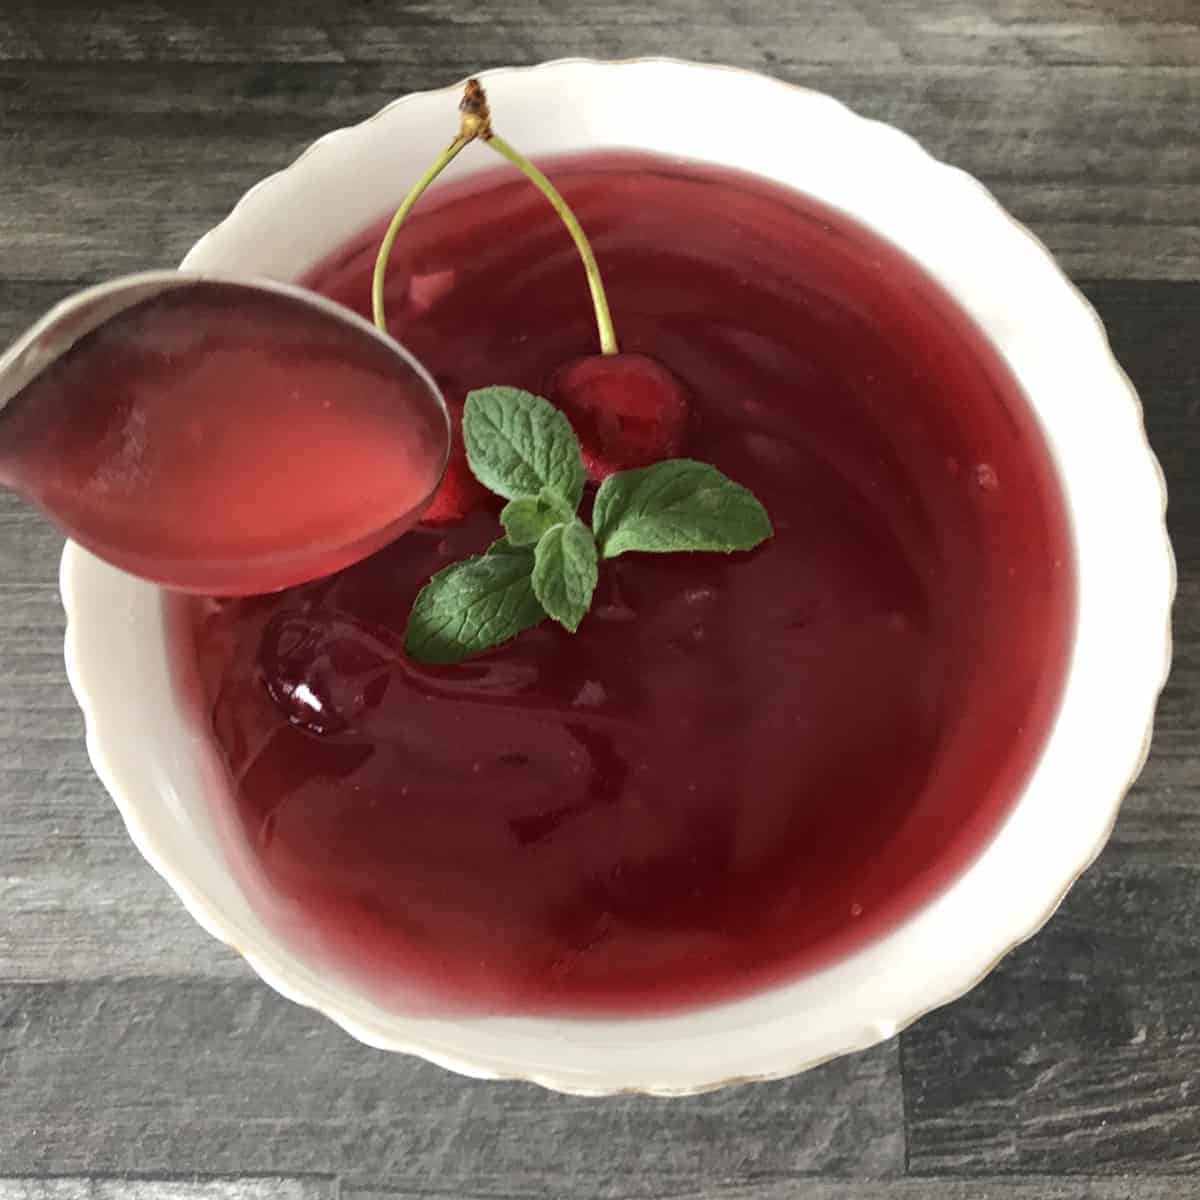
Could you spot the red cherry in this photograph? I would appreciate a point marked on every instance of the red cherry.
(627, 410)
(460, 492)
(325, 671)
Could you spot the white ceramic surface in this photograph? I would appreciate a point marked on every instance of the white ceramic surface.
(160, 769)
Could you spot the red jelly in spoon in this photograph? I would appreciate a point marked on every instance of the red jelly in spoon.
(228, 439)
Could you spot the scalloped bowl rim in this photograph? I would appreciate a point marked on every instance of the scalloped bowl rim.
(766, 1035)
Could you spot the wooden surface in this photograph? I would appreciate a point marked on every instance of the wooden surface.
(140, 1060)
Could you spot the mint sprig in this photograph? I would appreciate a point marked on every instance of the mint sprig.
(522, 448)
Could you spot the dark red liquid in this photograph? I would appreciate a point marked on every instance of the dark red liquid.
(229, 440)
(739, 768)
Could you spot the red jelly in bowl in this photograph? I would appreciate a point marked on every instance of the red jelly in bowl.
(225, 438)
(741, 767)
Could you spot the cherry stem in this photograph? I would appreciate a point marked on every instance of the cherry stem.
(476, 123)
(439, 164)
(604, 324)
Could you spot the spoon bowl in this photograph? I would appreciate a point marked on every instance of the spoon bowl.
(219, 435)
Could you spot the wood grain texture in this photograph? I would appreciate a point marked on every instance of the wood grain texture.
(1015, 32)
(1081, 1053)
(1099, 161)
(168, 1189)
(1042, 1187)
(105, 1077)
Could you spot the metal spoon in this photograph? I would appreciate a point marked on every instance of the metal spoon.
(226, 436)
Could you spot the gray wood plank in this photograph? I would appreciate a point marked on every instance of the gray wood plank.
(994, 1188)
(1160, 818)
(1100, 161)
(1045, 32)
(1152, 331)
(168, 1189)
(1066, 32)
(1080, 1054)
(522, 31)
(29, 547)
(106, 1077)
(77, 898)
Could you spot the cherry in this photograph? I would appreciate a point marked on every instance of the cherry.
(460, 492)
(325, 671)
(627, 409)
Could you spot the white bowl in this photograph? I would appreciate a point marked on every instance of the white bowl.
(160, 769)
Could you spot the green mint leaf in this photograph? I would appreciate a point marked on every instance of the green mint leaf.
(519, 444)
(473, 605)
(564, 572)
(556, 503)
(526, 519)
(503, 546)
(676, 505)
